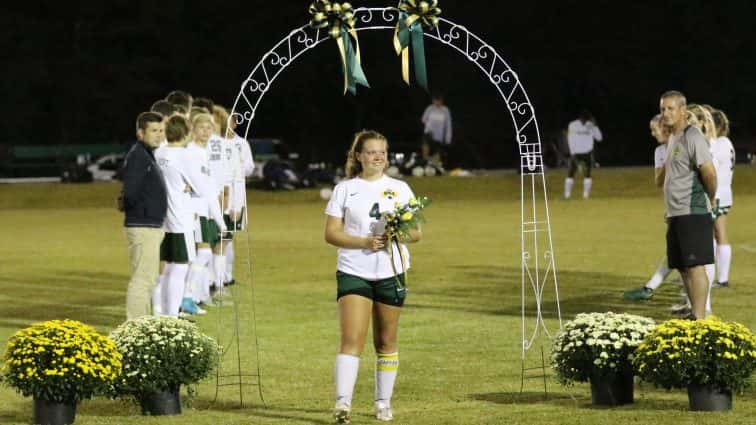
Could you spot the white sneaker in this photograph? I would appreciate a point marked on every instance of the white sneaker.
(342, 412)
(383, 412)
(679, 307)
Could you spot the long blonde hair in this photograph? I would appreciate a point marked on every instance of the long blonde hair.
(705, 120)
(721, 122)
(353, 167)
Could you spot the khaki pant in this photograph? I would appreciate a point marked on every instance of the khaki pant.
(144, 256)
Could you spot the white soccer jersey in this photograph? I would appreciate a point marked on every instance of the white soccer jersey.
(246, 166)
(218, 151)
(580, 137)
(358, 203)
(206, 205)
(181, 179)
(660, 155)
(723, 154)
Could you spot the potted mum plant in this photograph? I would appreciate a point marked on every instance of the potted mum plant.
(59, 363)
(598, 347)
(711, 358)
(159, 355)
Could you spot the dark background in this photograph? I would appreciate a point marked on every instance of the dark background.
(79, 72)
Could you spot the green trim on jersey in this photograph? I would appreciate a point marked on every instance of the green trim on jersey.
(698, 203)
(173, 248)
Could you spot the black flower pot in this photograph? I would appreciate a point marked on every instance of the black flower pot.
(708, 398)
(613, 390)
(161, 403)
(52, 413)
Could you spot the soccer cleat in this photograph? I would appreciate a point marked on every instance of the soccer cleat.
(342, 413)
(717, 284)
(230, 282)
(680, 307)
(188, 306)
(639, 294)
(383, 412)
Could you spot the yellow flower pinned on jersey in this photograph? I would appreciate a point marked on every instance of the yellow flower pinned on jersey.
(388, 193)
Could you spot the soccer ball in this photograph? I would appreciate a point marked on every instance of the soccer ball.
(418, 171)
(325, 194)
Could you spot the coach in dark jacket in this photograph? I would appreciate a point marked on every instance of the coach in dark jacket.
(144, 203)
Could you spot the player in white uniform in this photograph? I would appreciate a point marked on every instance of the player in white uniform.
(242, 166)
(581, 134)
(220, 154)
(366, 281)
(209, 218)
(177, 249)
(661, 135)
(724, 159)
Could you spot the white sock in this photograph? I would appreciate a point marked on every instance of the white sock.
(710, 277)
(229, 275)
(587, 183)
(568, 183)
(386, 366)
(157, 303)
(173, 288)
(724, 256)
(661, 273)
(345, 371)
(197, 272)
(218, 269)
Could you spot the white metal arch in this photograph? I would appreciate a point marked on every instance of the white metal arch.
(538, 269)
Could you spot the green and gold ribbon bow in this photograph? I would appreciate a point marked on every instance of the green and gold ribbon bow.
(339, 18)
(413, 16)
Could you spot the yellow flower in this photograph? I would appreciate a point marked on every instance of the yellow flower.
(406, 216)
(413, 202)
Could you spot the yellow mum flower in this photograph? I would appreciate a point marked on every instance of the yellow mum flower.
(406, 216)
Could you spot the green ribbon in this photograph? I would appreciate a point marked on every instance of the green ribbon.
(413, 16)
(339, 18)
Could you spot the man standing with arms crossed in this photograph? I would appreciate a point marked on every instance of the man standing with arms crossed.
(144, 203)
(690, 184)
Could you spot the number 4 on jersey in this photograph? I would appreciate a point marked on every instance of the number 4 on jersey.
(375, 211)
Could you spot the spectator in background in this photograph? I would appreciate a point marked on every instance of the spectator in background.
(437, 122)
(144, 203)
(581, 134)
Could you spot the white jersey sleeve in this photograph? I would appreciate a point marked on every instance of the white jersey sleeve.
(660, 155)
(723, 154)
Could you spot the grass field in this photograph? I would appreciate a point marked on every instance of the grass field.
(64, 256)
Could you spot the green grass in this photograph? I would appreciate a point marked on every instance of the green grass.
(64, 256)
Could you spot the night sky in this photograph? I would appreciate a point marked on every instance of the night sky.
(80, 72)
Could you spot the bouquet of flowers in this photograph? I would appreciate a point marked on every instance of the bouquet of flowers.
(679, 353)
(400, 221)
(161, 353)
(597, 344)
(60, 361)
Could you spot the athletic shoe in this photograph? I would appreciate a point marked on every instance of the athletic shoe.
(684, 313)
(230, 282)
(680, 307)
(188, 306)
(383, 412)
(639, 294)
(717, 284)
(342, 413)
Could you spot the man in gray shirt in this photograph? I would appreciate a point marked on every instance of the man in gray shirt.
(690, 184)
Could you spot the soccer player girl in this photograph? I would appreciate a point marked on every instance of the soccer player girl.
(182, 181)
(209, 219)
(238, 199)
(219, 154)
(366, 281)
(661, 134)
(724, 159)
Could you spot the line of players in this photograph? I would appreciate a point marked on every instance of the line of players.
(715, 127)
(204, 165)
